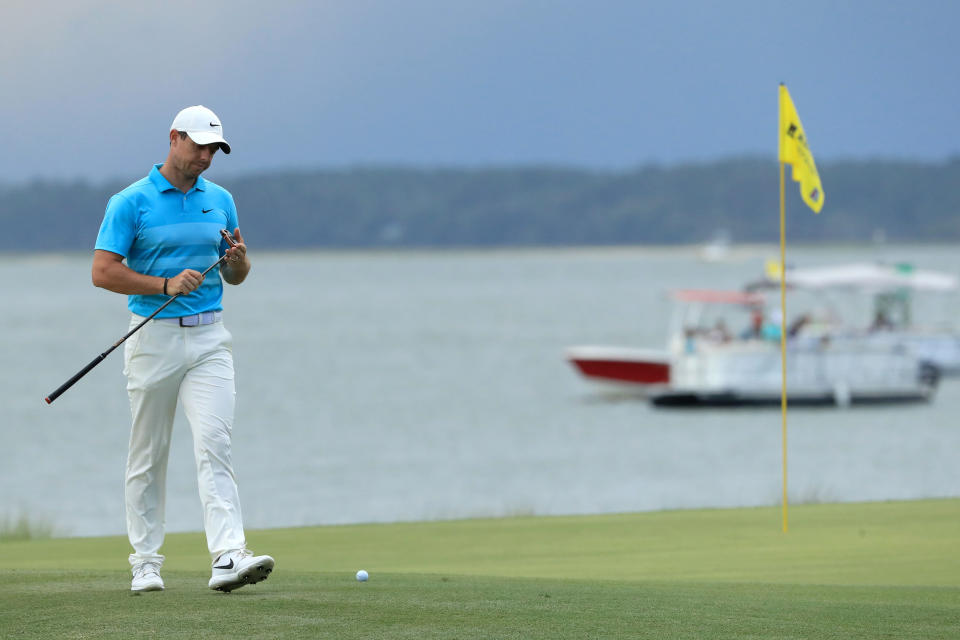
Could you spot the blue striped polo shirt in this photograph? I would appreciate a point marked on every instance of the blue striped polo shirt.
(161, 231)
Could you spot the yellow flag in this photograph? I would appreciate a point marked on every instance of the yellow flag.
(795, 152)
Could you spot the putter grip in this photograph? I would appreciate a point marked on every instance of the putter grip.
(69, 383)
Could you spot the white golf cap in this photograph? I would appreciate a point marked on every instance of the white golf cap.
(202, 125)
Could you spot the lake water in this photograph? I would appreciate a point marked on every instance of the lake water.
(394, 386)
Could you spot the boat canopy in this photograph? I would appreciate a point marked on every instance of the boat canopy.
(862, 276)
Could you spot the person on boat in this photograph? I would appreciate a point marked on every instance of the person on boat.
(803, 320)
(719, 332)
(881, 321)
(771, 329)
(156, 238)
(753, 331)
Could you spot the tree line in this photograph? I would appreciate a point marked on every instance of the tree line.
(365, 207)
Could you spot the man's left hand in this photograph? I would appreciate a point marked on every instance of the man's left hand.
(238, 252)
(237, 264)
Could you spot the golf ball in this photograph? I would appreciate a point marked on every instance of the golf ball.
(362, 575)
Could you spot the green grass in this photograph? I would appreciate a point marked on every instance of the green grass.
(875, 570)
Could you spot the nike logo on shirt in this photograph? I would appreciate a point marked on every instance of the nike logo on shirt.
(206, 210)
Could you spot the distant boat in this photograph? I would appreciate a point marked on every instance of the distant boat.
(705, 364)
(717, 249)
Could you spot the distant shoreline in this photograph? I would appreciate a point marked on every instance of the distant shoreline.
(532, 206)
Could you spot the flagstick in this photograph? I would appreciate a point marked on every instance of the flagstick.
(793, 149)
(783, 336)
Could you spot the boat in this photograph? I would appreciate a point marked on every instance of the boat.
(705, 363)
(891, 290)
(717, 249)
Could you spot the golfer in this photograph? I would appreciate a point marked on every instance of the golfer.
(156, 238)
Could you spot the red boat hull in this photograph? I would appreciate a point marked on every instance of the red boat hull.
(627, 367)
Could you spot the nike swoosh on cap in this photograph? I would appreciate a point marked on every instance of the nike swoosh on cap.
(214, 124)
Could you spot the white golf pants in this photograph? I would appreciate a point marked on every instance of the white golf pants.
(164, 363)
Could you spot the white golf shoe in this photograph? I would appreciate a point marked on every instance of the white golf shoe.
(146, 577)
(234, 569)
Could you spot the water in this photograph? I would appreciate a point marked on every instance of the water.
(424, 385)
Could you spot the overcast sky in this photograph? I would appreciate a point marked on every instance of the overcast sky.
(90, 87)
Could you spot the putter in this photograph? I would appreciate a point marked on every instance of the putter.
(100, 358)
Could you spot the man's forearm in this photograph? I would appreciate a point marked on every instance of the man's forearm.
(111, 274)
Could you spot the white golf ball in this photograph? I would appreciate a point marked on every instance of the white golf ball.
(362, 575)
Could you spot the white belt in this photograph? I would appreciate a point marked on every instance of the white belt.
(206, 317)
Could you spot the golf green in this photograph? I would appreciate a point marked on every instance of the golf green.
(864, 570)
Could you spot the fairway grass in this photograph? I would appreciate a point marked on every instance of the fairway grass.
(872, 570)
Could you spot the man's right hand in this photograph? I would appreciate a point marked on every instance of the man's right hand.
(184, 282)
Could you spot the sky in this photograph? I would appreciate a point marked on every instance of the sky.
(90, 87)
